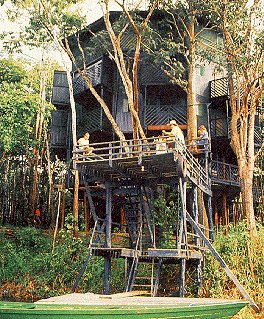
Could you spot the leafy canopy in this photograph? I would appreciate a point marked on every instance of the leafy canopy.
(19, 104)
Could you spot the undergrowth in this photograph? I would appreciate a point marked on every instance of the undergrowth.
(246, 260)
(30, 271)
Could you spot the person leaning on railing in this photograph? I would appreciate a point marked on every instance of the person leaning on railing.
(83, 143)
(175, 133)
(203, 137)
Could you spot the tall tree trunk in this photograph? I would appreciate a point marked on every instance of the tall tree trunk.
(191, 103)
(247, 198)
(76, 203)
(244, 66)
(38, 136)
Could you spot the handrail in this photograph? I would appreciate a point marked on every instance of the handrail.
(139, 148)
(225, 173)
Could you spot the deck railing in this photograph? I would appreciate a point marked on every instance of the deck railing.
(220, 127)
(224, 173)
(142, 148)
(219, 88)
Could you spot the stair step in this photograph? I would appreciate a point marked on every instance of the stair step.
(137, 285)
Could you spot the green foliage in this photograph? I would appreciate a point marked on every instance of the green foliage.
(19, 104)
(166, 219)
(11, 72)
(244, 257)
(28, 266)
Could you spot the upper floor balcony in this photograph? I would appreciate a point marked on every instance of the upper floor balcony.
(220, 127)
(99, 73)
(219, 88)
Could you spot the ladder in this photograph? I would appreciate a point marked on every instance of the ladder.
(144, 275)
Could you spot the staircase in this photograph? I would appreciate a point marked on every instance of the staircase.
(138, 220)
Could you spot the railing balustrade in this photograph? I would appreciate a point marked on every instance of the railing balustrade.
(116, 150)
(224, 173)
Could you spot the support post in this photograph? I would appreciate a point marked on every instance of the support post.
(182, 239)
(182, 277)
(107, 263)
(210, 216)
(199, 277)
(195, 210)
(76, 202)
(225, 212)
(86, 214)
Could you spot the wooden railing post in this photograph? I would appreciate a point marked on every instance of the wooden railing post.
(110, 154)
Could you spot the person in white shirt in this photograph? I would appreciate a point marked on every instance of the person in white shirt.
(83, 143)
(175, 132)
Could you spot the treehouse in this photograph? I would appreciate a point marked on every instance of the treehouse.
(122, 183)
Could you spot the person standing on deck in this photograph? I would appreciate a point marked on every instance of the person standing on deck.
(175, 132)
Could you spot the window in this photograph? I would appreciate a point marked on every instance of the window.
(125, 105)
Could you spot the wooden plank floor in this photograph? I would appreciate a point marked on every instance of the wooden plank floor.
(130, 299)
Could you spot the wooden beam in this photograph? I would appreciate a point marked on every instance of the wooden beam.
(124, 294)
(86, 215)
(107, 261)
(164, 127)
(76, 202)
(182, 277)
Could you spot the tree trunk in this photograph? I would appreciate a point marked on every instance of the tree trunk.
(247, 199)
(203, 219)
(191, 105)
(76, 203)
(50, 179)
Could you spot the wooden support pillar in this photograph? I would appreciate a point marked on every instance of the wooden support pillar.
(122, 220)
(107, 273)
(182, 237)
(86, 214)
(208, 208)
(76, 202)
(225, 212)
(107, 263)
(197, 239)
(216, 216)
(182, 240)
(199, 277)
(182, 277)
(195, 209)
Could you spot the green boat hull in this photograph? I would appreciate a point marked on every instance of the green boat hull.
(12, 310)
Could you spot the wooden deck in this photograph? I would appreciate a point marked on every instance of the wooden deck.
(170, 254)
(131, 299)
(139, 160)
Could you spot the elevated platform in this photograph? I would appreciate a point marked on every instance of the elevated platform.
(150, 253)
(140, 160)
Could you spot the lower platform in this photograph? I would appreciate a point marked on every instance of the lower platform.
(148, 253)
